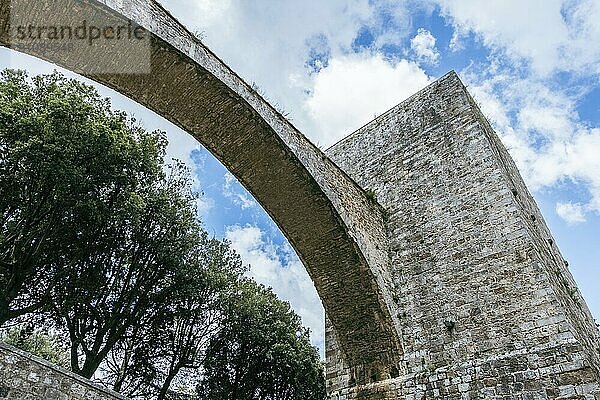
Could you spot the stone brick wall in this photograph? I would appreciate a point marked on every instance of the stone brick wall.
(484, 303)
(26, 377)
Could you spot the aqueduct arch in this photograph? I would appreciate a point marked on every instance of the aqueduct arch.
(316, 205)
(453, 288)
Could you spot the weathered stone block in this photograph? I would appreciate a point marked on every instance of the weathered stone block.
(26, 377)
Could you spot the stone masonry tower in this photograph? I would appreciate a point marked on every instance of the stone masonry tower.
(485, 306)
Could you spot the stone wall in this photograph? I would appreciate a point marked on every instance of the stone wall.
(26, 377)
(484, 303)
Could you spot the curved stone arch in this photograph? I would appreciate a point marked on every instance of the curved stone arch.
(337, 231)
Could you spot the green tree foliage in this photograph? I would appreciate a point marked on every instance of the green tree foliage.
(171, 344)
(92, 226)
(71, 171)
(125, 275)
(45, 345)
(99, 237)
(262, 352)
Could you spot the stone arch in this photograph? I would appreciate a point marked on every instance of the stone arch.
(337, 231)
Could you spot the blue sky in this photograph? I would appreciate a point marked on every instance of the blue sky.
(532, 65)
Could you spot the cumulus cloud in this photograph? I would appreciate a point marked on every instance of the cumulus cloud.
(550, 35)
(353, 89)
(540, 126)
(534, 113)
(234, 192)
(423, 45)
(280, 268)
(456, 43)
(286, 43)
(571, 213)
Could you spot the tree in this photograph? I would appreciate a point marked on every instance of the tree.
(123, 276)
(99, 235)
(93, 227)
(48, 346)
(172, 343)
(196, 311)
(262, 352)
(67, 163)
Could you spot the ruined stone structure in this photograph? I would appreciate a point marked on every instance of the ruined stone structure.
(25, 377)
(448, 286)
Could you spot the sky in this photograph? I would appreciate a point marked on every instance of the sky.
(331, 66)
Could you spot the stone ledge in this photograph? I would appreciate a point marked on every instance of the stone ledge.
(7, 352)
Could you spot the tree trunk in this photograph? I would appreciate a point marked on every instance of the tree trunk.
(4, 312)
(123, 369)
(167, 384)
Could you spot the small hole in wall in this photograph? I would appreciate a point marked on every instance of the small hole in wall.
(550, 242)
(394, 373)
(533, 217)
(449, 325)
(514, 192)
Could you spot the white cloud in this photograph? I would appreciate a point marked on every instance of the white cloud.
(280, 268)
(549, 34)
(456, 43)
(572, 213)
(239, 197)
(541, 128)
(353, 89)
(281, 38)
(423, 44)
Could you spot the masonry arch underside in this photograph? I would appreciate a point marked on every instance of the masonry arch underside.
(338, 233)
